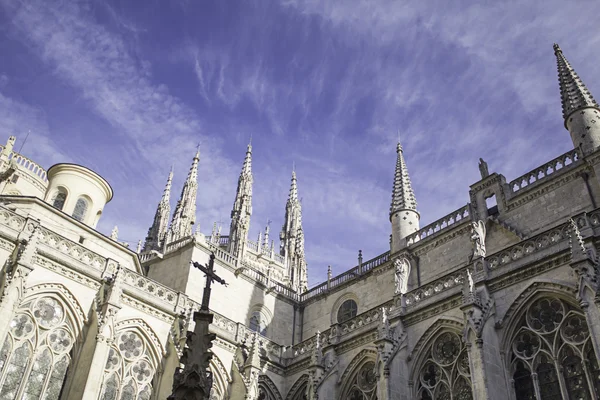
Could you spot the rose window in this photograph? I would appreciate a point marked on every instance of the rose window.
(142, 371)
(48, 312)
(363, 384)
(60, 340)
(131, 345)
(446, 348)
(21, 325)
(545, 315)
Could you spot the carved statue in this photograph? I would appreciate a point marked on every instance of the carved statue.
(471, 283)
(483, 169)
(478, 238)
(114, 235)
(401, 277)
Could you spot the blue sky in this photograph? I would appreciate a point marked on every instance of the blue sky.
(129, 88)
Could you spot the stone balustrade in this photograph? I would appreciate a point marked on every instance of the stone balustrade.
(28, 164)
(70, 248)
(544, 171)
(448, 221)
(151, 287)
(346, 276)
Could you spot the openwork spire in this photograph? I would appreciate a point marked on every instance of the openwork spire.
(242, 208)
(573, 92)
(292, 239)
(158, 230)
(185, 211)
(403, 197)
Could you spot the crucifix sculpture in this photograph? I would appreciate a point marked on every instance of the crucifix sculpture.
(194, 381)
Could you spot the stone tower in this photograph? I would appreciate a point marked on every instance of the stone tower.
(158, 231)
(403, 210)
(292, 240)
(184, 216)
(242, 209)
(580, 110)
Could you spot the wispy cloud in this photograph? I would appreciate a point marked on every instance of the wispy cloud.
(324, 84)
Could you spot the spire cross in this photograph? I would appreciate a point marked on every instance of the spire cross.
(209, 271)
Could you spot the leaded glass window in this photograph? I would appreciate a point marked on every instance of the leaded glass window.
(59, 198)
(363, 386)
(36, 353)
(445, 374)
(258, 323)
(80, 209)
(347, 311)
(129, 369)
(552, 339)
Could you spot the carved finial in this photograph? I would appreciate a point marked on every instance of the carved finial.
(329, 272)
(114, 235)
(139, 247)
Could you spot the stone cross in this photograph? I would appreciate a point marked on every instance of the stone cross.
(209, 271)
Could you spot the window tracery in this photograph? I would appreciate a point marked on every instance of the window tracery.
(129, 369)
(36, 353)
(80, 209)
(552, 339)
(445, 374)
(59, 198)
(363, 385)
(347, 311)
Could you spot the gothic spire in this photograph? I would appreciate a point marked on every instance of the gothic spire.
(242, 208)
(573, 92)
(158, 230)
(292, 239)
(185, 211)
(403, 197)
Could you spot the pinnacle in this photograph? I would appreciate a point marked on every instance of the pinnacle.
(403, 197)
(293, 188)
(247, 167)
(167, 191)
(574, 94)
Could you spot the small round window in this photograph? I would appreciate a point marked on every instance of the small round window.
(347, 311)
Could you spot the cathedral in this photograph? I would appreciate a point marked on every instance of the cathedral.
(498, 300)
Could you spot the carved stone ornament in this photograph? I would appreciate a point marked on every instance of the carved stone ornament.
(478, 238)
(402, 267)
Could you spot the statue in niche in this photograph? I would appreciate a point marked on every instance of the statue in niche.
(401, 277)
(478, 238)
(483, 169)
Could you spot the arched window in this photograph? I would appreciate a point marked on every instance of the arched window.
(129, 369)
(59, 198)
(347, 311)
(80, 209)
(364, 384)
(258, 323)
(36, 353)
(552, 338)
(445, 373)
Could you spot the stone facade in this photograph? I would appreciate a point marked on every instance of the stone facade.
(497, 302)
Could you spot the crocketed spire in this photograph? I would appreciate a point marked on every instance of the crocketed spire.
(242, 209)
(403, 197)
(292, 239)
(158, 230)
(185, 211)
(573, 92)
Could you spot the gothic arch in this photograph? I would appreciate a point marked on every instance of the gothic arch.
(221, 378)
(547, 345)
(266, 384)
(448, 323)
(138, 324)
(74, 309)
(539, 288)
(298, 388)
(441, 367)
(366, 356)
